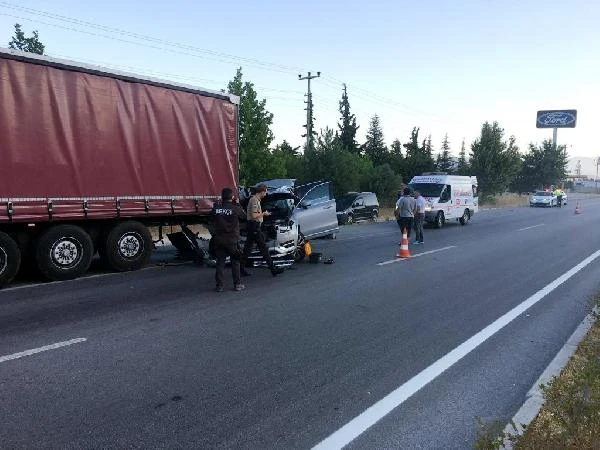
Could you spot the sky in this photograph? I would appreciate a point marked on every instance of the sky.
(443, 66)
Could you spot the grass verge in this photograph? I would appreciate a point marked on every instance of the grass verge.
(570, 415)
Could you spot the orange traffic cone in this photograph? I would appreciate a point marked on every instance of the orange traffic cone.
(403, 252)
(577, 209)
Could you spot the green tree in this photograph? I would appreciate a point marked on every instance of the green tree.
(292, 159)
(396, 158)
(418, 158)
(330, 161)
(384, 182)
(428, 147)
(30, 44)
(462, 168)
(542, 165)
(374, 146)
(256, 161)
(444, 161)
(494, 161)
(347, 126)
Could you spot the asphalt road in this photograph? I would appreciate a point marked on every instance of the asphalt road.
(169, 363)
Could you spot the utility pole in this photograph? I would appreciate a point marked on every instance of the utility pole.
(309, 109)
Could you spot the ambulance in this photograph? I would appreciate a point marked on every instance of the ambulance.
(447, 197)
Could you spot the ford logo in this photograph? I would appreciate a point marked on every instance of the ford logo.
(556, 119)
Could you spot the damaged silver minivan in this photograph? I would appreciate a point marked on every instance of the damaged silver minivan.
(298, 213)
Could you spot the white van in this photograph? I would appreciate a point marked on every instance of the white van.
(447, 197)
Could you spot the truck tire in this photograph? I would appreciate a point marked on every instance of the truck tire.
(64, 252)
(128, 246)
(439, 220)
(10, 259)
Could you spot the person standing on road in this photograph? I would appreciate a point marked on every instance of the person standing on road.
(419, 218)
(225, 219)
(558, 194)
(255, 216)
(405, 211)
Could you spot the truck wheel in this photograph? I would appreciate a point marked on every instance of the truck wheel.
(64, 252)
(464, 219)
(128, 246)
(374, 216)
(10, 259)
(439, 220)
(350, 219)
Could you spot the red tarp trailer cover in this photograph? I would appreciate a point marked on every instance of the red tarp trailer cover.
(79, 141)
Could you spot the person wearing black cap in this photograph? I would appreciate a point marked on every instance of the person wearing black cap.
(226, 218)
(254, 233)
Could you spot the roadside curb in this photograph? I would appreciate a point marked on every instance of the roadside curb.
(535, 397)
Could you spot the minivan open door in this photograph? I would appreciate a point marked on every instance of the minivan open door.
(315, 213)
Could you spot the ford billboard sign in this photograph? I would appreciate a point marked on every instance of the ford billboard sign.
(556, 119)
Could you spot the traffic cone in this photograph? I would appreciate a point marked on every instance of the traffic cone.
(577, 209)
(403, 252)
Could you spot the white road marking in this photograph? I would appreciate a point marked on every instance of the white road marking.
(383, 407)
(391, 261)
(529, 228)
(45, 348)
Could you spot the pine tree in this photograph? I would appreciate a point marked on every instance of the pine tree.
(26, 44)
(427, 150)
(375, 146)
(347, 126)
(462, 167)
(418, 158)
(396, 158)
(444, 161)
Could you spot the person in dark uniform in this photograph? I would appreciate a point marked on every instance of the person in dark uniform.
(226, 218)
(254, 233)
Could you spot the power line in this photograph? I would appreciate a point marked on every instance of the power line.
(167, 74)
(142, 37)
(142, 44)
(177, 48)
(212, 55)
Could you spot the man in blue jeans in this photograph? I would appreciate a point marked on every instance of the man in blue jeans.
(405, 210)
(419, 218)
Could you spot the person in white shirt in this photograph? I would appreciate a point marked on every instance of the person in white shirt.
(405, 210)
(419, 218)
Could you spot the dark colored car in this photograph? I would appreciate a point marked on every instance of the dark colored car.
(357, 206)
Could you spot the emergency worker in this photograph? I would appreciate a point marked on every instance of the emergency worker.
(254, 234)
(558, 193)
(225, 218)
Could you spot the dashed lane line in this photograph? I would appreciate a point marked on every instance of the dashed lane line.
(529, 228)
(391, 261)
(45, 348)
